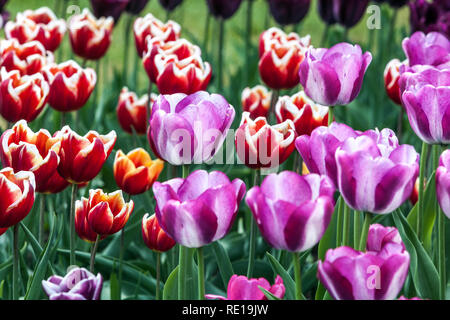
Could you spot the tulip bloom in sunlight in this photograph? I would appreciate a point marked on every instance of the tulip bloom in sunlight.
(101, 215)
(17, 192)
(200, 209)
(41, 25)
(305, 114)
(260, 145)
(242, 288)
(377, 274)
(154, 236)
(24, 150)
(443, 182)
(22, 97)
(90, 37)
(82, 158)
(70, 85)
(391, 78)
(256, 101)
(136, 172)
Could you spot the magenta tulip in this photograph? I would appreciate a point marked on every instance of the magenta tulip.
(432, 49)
(443, 182)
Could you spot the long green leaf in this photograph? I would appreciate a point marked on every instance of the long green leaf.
(171, 287)
(269, 295)
(287, 279)
(223, 262)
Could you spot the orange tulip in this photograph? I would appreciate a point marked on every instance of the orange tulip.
(154, 236)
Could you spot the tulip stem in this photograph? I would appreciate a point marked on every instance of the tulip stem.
(248, 38)
(121, 252)
(253, 234)
(441, 234)
(206, 33)
(72, 224)
(158, 274)
(273, 102)
(298, 278)
(182, 277)
(421, 202)
(365, 231)
(220, 54)
(330, 115)
(93, 252)
(41, 218)
(126, 49)
(15, 287)
(346, 225)
(201, 274)
(149, 102)
(339, 222)
(356, 229)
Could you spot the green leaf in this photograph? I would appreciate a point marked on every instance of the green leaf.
(2, 284)
(268, 294)
(424, 273)
(223, 262)
(171, 287)
(114, 287)
(287, 279)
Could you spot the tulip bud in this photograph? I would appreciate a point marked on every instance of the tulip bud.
(17, 190)
(170, 5)
(304, 113)
(260, 145)
(136, 6)
(90, 38)
(223, 9)
(109, 8)
(70, 85)
(41, 25)
(415, 193)
(391, 78)
(132, 111)
(325, 8)
(154, 237)
(289, 11)
(22, 97)
(256, 101)
(349, 12)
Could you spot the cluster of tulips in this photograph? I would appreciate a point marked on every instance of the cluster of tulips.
(338, 171)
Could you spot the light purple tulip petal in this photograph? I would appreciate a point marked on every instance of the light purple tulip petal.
(443, 182)
(430, 49)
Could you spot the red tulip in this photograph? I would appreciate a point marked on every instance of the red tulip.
(70, 85)
(41, 25)
(391, 78)
(22, 97)
(132, 111)
(102, 214)
(135, 172)
(154, 237)
(280, 58)
(29, 58)
(90, 37)
(3, 230)
(17, 193)
(305, 114)
(24, 150)
(260, 145)
(149, 27)
(82, 158)
(256, 101)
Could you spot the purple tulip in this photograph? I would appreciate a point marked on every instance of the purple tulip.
(292, 211)
(349, 12)
(377, 274)
(136, 6)
(318, 150)
(78, 284)
(334, 76)
(186, 129)
(394, 3)
(109, 8)
(430, 16)
(242, 288)
(432, 49)
(4, 18)
(443, 182)
(200, 209)
(224, 9)
(170, 5)
(325, 8)
(374, 173)
(425, 95)
(289, 11)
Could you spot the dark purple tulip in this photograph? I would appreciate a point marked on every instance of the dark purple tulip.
(325, 8)
(136, 6)
(349, 12)
(170, 5)
(2, 4)
(4, 17)
(289, 11)
(109, 8)
(223, 8)
(430, 16)
(394, 3)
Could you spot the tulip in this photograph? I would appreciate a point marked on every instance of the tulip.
(22, 97)
(136, 172)
(289, 11)
(374, 173)
(150, 27)
(154, 237)
(325, 8)
(292, 211)
(414, 197)
(4, 18)
(200, 209)
(82, 158)
(223, 9)
(443, 182)
(101, 215)
(24, 150)
(77, 284)
(132, 111)
(29, 58)
(17, 190)
(3, 230)
(391, 78)
(280, 58)
(377, 274)
(256, 101)
(426, 98)
(304, 113)
(136, 6)
(41, 25)
(404, 298)
(334, 76)
(318, 150)
(349, 12)
(430, 16)
(186, 129)
(260, 145)
(70, 85)
(394, 3)
(431, 49)
(242, 288)
(90, 37)
(109, 8)
(170, 5)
